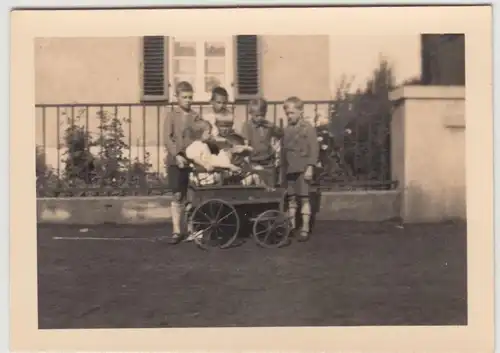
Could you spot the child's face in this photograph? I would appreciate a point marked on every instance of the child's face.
(219, 103)
(185, 99)
(255, 114)
(206, 135)
(224, 131)
(292, 113)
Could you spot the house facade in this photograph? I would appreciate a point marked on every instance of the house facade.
(134, 77)
(138, 69)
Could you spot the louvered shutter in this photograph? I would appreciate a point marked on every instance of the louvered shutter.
(154, 68)
(247, 67)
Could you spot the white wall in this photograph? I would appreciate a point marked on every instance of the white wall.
(358, 56)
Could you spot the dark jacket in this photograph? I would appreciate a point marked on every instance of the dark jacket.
(300, 145)
(259, 137)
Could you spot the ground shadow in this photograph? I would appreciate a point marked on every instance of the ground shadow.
(315, 200)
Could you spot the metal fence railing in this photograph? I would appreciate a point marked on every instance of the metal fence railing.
(117, 149)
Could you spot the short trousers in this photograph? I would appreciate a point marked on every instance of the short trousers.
(269, 175)
(297, 185)
(178, 179)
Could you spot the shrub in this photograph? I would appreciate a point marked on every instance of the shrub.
(46, 180)
(40, 162)
(111, 161)
(358, 133)
(78, 161)
(84, 172)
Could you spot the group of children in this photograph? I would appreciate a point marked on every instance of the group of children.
(209, 142)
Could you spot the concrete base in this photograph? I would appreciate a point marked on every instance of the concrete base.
(345, 206)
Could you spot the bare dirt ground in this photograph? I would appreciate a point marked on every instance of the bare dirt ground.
(348, 274)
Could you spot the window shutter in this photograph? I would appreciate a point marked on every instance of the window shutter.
(247, 67)
(154, 68)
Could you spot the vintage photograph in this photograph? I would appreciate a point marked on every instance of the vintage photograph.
(251, 180)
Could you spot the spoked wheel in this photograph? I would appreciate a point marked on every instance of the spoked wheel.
(271, 229)
(215, 224)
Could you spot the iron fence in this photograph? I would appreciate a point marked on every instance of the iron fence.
(117, 149)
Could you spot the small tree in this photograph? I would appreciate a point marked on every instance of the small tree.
(359, 129)
(376, 128)
(111, 160)
(77, 159)
(114, 167)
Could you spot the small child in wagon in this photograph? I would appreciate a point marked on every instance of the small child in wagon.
(204, 153)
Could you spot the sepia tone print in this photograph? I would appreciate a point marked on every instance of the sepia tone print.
(251, 180)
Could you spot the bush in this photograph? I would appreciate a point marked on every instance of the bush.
(111, 162)
(78, 161)
(40, 162)
(85, 173)
(356, 140)
(45, 177)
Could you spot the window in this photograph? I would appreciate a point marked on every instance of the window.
(231, 62)
(443, 59)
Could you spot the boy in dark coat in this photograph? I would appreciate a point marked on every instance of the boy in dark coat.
(259, 134)
(301, 153)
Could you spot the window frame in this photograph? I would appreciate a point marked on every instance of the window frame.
(231, 84)
(229, 70)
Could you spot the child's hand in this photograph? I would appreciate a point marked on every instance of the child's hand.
(308, 175)
(240, 149)
(180, 161)
(236, 149)
(234, 168)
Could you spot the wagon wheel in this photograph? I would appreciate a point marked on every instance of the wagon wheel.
(271, 229)
(216, 222)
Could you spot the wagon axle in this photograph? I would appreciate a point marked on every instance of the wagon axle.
(217, 224)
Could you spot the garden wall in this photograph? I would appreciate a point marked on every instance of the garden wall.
(428, 152)
(343, 206)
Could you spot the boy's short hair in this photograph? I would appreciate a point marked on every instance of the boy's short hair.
(198, 128)
(184, 86)
(296, 101)
(260, 104)
(224, 124)
(219, 91)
